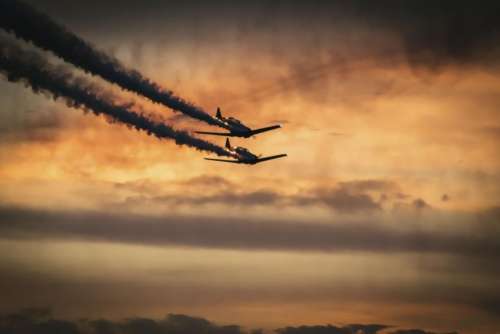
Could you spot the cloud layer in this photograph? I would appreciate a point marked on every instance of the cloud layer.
(40, 321)
(373, 236)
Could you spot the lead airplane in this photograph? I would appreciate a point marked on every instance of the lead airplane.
(244, 156)
(236, 128)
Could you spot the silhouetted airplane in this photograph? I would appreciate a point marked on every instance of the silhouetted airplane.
(244, 156)
(236, 128)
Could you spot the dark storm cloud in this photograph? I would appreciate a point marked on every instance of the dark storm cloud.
(32, 69)
(231, 233)
(432, 34)
(454, 32)
(33, 26)
(40, 321)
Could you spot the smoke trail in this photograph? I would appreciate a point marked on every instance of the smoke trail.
(30, 25)
(19, 65)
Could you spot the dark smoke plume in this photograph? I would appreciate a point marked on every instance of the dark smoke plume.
(19, 65)
(30, 25)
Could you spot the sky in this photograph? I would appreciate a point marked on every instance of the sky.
(385, 212)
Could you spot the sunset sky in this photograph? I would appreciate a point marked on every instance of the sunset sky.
(386, 210)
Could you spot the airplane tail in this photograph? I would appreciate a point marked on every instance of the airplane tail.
(218, 114)
(228, 144)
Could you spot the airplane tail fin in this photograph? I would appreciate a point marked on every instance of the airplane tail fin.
(228, 144)
(218, 114)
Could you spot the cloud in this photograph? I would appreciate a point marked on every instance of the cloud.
(348, 197)
(248, 233)
(420, 204)
(34, 321)
(208, 181)
(340, 199)
(227, 197)
(330, 329)
(453, 33)
(40, 321)
(369, 185)
(353, 197)
(430, 34)
(417, 331)
(33, 126)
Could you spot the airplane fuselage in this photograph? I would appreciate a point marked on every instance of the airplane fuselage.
(245, 156)
(236, 127)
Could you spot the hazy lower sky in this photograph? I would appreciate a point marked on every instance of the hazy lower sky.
(386, 210)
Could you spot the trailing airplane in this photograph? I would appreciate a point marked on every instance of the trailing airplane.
(244, 156)
(236, 128)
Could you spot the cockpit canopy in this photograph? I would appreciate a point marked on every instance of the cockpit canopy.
(234, 120)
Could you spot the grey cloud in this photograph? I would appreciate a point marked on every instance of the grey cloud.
(424, 35)
(346, 197)
(338, 200)
(433, 34)
(350, 196)
(228, 233)
(228, 197)
(341, 200)
(40, 321)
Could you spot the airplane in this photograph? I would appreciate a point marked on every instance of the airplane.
(236, 128)
(244, 156)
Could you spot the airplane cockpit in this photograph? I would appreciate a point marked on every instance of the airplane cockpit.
(234, 120)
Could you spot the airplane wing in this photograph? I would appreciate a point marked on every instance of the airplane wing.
(224, 160)
(269, 128)
(215, 133)
(271, 157)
